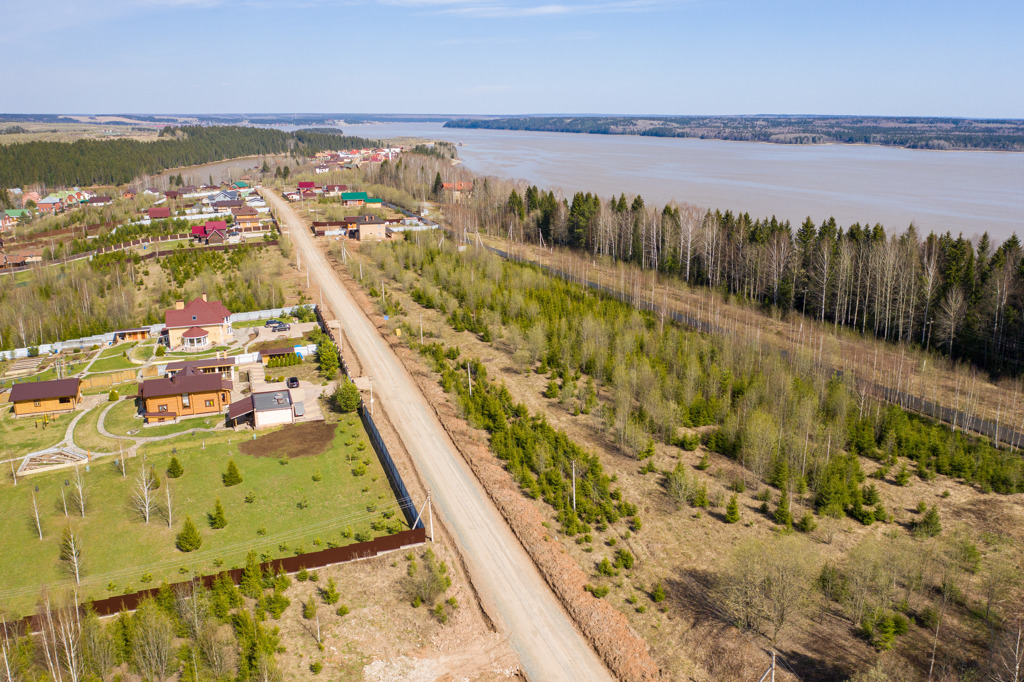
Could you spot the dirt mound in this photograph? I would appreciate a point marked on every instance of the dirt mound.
(295, 440)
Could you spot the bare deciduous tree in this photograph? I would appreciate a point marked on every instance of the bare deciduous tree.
(60, 637)
(35, 510)
(97, 646)
(952, 312)
(143, 498)
(1008, 652)
(152, 641)
(79, 491)
(71, 552)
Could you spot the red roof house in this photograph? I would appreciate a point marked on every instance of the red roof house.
(159, 213)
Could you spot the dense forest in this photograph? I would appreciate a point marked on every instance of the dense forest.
(99, 162)
(911, 132)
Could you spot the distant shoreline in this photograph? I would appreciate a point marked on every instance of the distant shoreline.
(924, 134)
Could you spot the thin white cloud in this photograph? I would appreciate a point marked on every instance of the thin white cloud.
(502, 9)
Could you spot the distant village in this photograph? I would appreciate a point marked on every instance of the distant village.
(231, 212)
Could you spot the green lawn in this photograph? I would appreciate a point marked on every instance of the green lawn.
(88, 437)
(290, 513)
(27, 434)
(121, 419)
(113, 359)
(123, 389)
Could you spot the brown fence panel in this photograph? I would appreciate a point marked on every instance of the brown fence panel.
(326, 557)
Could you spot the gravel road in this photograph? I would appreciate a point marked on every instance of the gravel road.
(512, 590)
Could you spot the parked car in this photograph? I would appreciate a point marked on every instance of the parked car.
(283, 327)
(293, 382)
(273, 323)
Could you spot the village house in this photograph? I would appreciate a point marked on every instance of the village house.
(310, 186)
(128, 194)
(159, 213)
(353, 198)
(214, 237)
(46, 397)
(100, 201)
(137, 334)
(460, 189)
(268, 408)
(196, 326)
(246, 216)
(372, 229)
(224, 366)
(334, 190)
(187, 394)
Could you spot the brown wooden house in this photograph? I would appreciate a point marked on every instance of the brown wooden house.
(188, 393)
(45, 397)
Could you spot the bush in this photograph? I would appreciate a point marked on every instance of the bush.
(161, 351)
(426, 585)
(658, 593)
(732, 511)
(174, 469)
(930, 525)
(188, 539)
(806, 524)
(599, 592)
(112, 396)
(315, 667)
(624, 559)
(231, 476)
(330, 593)
(346, 396)
(309, 610)
(217, 518)
(605, 568)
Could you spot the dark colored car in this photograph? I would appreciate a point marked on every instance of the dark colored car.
(272, 323)
(293, 382)
(283, 327)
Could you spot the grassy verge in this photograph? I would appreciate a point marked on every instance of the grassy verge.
(122, 421)
(88, 437)
(290, 512)
(28, 434)
(113, 359)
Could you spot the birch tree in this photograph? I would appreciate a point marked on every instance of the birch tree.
(71, 552)
(143, 498)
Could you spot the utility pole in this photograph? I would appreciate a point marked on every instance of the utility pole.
(770, 672)
(421, 329)
(469, 373)
(430, 516)
(371, 395)
(574, 485)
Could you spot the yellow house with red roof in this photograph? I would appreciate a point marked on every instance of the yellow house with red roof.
(198, 325)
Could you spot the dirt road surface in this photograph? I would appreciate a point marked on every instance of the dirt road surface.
(512, 590)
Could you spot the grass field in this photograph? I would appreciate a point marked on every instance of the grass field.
(27, 434)
(121, 419)
(124, 388)
(290, 513)
(113, 359)
(260, 323)
(88, 437)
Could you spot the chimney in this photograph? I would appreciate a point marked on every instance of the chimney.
(204, 297)
(179, 305)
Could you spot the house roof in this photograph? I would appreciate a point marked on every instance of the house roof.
(244, 210)
(199, 230)
(272, 352)
(458, 186)
(44, 390)
(184, 382)
(195, 333)
(100, 200)
(335, 188)
(197, 313)
(307, 185)
(233, 203)
(240, 408)
(159, 212)
(271, 400)
(353, 196)
(191, 365)
(212, 225)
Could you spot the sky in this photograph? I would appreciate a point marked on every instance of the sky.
(668, 57)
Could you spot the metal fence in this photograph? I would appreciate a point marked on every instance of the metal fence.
(326, 557)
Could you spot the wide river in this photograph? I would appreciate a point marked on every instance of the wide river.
(969, 192)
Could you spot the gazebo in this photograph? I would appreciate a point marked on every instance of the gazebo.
(195, 338)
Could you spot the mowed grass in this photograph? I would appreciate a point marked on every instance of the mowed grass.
(121, 419)
(113, 359)
(119, 549)
(27, 434)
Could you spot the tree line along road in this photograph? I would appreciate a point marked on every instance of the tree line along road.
(512, 590)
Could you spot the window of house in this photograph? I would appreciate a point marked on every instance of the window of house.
(65, 400)
(162, 408)
(37, 404)
(184, 400)
(209, 403)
